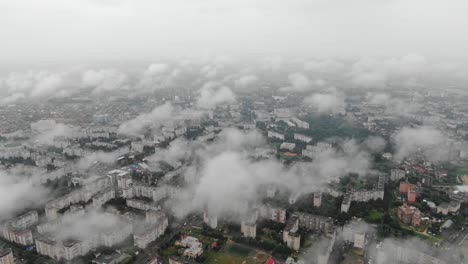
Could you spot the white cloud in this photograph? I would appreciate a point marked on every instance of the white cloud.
(425, 140)
(325, 102)
(18, 192)
(157, 115)
(246, 80)
(104, 80)
(212, 96)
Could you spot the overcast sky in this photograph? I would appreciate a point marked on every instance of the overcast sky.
(51, 30)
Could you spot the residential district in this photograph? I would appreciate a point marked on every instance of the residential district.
(141, 180)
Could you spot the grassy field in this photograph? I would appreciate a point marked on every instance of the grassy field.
(375, 216)
(235, 253)
(239, 250)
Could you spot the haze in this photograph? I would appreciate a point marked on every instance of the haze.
(94, 30)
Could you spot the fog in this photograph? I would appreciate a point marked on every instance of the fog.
(57, 30)
(18, 192)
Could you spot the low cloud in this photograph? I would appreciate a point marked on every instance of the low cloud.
(18, 192)
(225, 179)
(165, 114)
(87, 225)
(97, 157)
(379, 73)
(11, 98)
(413, 250)
(105, 80)
(298, 83)
(48, 130)
(326, 66)
(325, 102)
(157, 115)
(212, 96)
(375, 144)
(246, 81)
(427, 141)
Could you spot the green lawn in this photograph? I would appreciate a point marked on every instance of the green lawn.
(235, 253)
(239, 250)
(375, 216)
(223, 258)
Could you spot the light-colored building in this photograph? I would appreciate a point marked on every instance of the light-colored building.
(290, 234)
(150, 231)
(60, 250)
(317, 199)
(302, 138)
(346, 203)
(194, 248)
(249, 229)
(300, 123)
(103, 197)
(276, 135)
(356, 232)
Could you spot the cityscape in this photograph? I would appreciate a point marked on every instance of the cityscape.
(184, 150)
